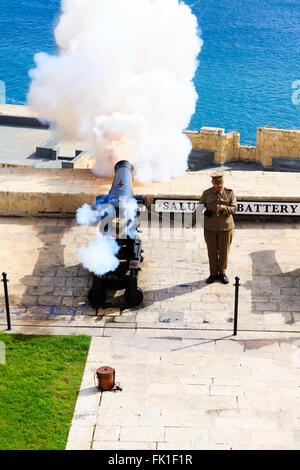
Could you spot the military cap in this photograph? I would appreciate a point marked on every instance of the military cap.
(217, 175)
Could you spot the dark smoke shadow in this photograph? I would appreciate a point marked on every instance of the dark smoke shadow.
(269, 285)
(52, 284)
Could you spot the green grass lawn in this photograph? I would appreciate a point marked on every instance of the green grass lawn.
(39, 383)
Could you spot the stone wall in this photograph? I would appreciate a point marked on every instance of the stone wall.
(48, 192)
(82, 160)
(270, 143)
(247, 152)
(12, 165)
(224, 145)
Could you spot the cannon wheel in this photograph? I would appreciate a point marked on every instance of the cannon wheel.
(133, 298)
(97, 297)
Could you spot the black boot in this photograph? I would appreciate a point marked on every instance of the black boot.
(223, 278)
(212, 278)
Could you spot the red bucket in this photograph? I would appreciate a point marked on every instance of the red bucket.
(106, 378)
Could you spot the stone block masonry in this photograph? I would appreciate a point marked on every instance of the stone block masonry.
(270, 143)
(58, 193)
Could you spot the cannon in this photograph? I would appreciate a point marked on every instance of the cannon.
(130, 246)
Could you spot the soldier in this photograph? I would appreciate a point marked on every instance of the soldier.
(220, 204)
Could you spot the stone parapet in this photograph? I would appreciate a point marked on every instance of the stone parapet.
(270, 143)
(59, 192)
(17, 110)
(247, 152)
(215, 139)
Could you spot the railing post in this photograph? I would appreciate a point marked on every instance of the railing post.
(5, 281)
(236, 303)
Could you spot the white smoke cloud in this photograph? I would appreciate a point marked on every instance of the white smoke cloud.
(122, 81)
(130, 214)
(131, 209)
(85, 215)
(99, 256)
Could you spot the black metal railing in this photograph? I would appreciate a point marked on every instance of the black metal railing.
(236, 305)
(5, 281)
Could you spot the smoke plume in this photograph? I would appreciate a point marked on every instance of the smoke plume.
(99, 256)
(122, 81)
(85, 215)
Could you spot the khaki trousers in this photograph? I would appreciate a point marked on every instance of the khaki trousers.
(218, 246)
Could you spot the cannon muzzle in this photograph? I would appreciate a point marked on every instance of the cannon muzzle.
(121, 189)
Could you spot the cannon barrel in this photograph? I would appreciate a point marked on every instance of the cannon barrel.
(121, 188)
(122, 183)
(130, 253)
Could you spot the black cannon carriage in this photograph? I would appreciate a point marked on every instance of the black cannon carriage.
(130, 246)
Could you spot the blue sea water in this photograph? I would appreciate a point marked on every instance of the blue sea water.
(248, 66)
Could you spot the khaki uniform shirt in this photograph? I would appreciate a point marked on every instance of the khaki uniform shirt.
(211, 198)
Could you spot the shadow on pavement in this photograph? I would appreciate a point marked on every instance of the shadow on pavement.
(272, 290)
(51, 283)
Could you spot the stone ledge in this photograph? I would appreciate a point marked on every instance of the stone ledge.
(17, 110)
(57, 192)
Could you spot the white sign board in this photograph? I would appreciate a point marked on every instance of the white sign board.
(290, 208)
(268, 208)
(176, 205)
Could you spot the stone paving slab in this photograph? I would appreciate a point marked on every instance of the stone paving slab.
(49, 287)
(187, 382)
(177, 394)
